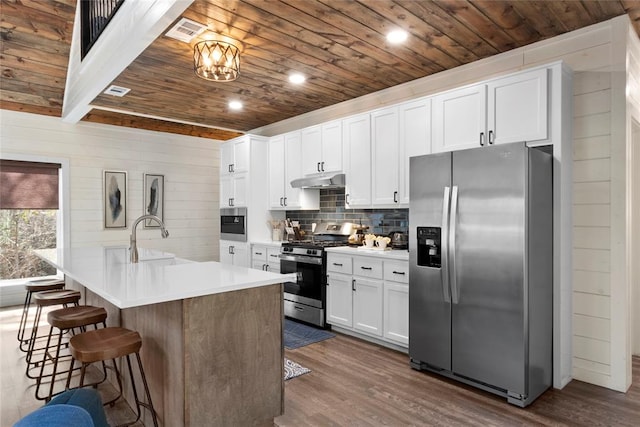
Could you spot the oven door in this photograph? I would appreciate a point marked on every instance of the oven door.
(233, 224)
(310, 284)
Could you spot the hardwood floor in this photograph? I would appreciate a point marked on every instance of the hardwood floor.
(356, 383)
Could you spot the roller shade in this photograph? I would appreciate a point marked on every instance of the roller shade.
(28, 185)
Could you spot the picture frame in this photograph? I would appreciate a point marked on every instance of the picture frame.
(115, 199)
(153, 198)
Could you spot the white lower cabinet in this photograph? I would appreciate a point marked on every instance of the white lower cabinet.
(235, 253)
(369, 295)
(265, 258)
(396, 302)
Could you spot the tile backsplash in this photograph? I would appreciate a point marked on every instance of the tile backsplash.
(380, 221)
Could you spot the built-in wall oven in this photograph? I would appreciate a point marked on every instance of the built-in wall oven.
(233, 224)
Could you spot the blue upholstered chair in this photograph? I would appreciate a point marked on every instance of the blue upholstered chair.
(78, 408)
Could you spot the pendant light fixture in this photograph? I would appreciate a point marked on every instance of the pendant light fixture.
(216, 61)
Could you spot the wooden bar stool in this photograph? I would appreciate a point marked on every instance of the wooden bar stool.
(63, 297)
(111, 343)
(31, 287)
(66, 320)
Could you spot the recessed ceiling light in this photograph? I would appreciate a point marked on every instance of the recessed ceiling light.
(297, 78)
(397, 36)
(235, 105)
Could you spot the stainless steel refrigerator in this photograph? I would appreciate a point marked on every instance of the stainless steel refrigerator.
(481, 260)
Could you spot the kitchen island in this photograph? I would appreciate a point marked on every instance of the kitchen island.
(212, 333)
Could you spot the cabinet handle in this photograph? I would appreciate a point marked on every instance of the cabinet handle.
(346, 199)
(318, 166)
(233, 200)
(482, 139)
(274, 256)
(366, 268)
(399, 272)
(337, 264)
(285, 201)
(395, 197)
(231, 250)
(281, 203)
(490, 137)
(353, 285)
(322, 166)
(258, 253)
(233, 167)
(229, 168)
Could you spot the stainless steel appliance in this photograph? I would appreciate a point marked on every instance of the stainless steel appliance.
(233, 224)
(480, 251)
(305, 299)
(399, 240)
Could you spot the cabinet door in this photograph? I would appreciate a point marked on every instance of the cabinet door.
(459, 119)
(367, 306)
(293, 168)
(241, 254)
(356, 140)
(311, 155)
(241, 189)
(226, 257)
(273, 259)
(276, 172)
(226, 158)
(226, 190)
(415, 139)
(517, 108)
(241, 154)
(396, 312)
(332, 147)
(384, 153)
(339, 300)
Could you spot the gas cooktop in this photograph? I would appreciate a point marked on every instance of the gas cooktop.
(314, 244)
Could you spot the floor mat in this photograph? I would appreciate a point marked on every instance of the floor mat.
(298, 334)
(292, 369)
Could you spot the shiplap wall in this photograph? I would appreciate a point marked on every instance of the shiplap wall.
(190, 166)
(596, 320)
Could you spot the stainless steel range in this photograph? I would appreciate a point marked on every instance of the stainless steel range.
(306, 299)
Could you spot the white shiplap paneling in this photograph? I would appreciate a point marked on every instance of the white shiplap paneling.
(190, 166)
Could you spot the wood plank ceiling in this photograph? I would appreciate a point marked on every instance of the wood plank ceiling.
(339, 45)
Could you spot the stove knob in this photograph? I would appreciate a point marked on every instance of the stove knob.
(309, 252)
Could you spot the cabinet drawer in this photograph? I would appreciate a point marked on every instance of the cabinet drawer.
(396, 271)
(273, 255)
(339, 264)
(259, 253)
(367, 267)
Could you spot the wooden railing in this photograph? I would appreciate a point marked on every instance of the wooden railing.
(95, 16)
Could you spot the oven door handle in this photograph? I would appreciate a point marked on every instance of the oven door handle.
(302, 260)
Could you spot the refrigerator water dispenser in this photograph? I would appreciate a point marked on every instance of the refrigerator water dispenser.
(429, 246)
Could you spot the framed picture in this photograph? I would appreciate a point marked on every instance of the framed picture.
(115, 199)
(153, 198)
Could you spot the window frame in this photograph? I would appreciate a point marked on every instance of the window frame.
(63, 223)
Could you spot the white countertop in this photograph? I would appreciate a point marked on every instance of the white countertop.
(396, 254)
(158, 277)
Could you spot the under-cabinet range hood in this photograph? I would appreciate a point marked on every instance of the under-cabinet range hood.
(326, 181)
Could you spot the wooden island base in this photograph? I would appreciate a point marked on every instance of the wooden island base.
(210, 360)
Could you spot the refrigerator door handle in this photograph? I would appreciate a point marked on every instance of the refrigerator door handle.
(444, 253)
(455, 292)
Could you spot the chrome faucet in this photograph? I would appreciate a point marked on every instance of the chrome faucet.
(134, 248)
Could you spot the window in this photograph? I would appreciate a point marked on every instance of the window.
(29, 217)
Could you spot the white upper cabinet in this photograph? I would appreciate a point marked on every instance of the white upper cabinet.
(322, 148)
(397, 133)
(415, 139)
(503, 110)
(385, 135)
(518, 108)
(356, 140)
(235, 156)
(234, 172)
(459, 118)
(284, 165)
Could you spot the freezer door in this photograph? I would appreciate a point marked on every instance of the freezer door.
(488, 314)
(429, 306)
